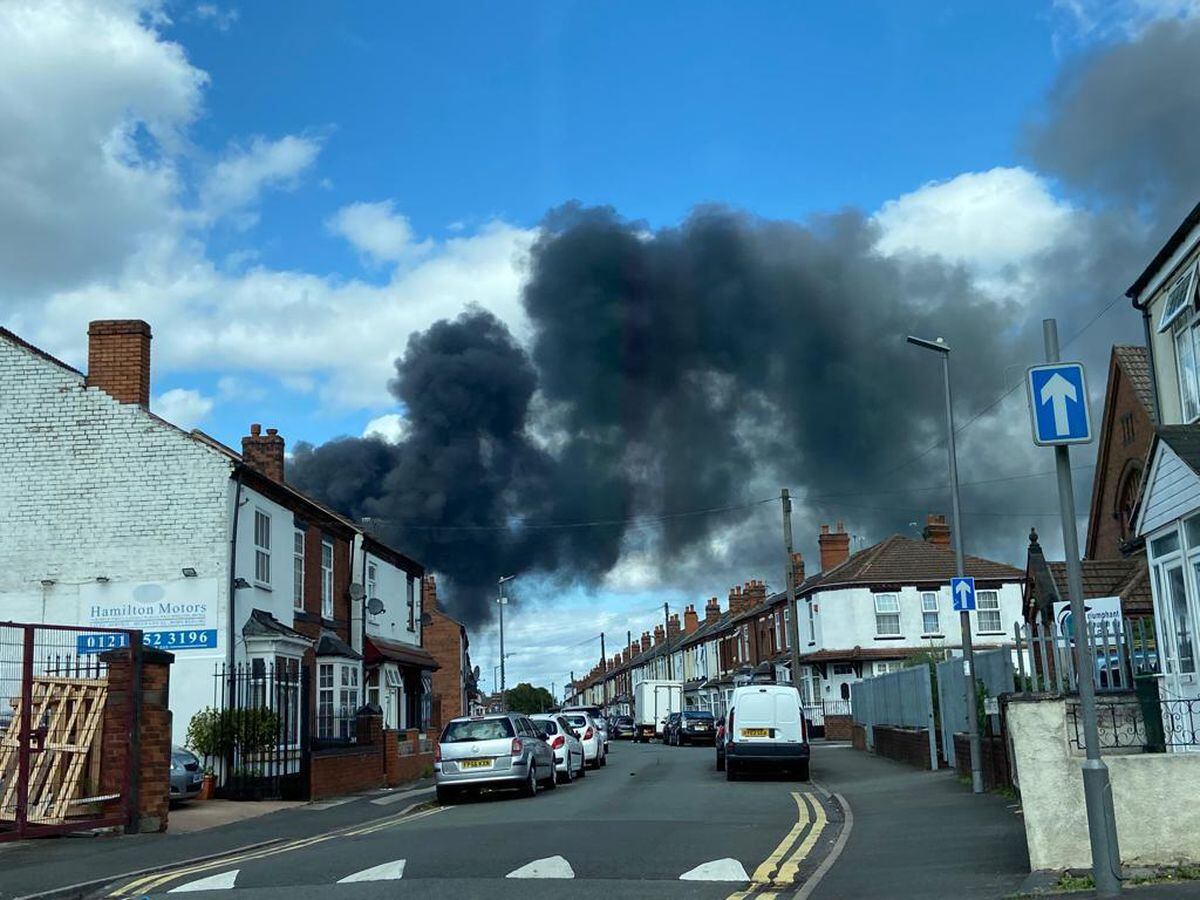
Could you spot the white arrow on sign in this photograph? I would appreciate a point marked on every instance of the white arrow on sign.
(963, 593)
(1057, 391)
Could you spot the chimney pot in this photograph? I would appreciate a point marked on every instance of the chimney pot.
(119, 359)
(835, 547)
(264, 453)
(936, 531)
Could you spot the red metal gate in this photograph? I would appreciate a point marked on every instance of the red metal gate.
(58, 708)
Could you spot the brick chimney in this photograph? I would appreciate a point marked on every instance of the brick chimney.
(691, 621)
(119, 359)
(754, 593)
(659, 635)
(673, 627)
(835, 547)
(798, 568)
(936, 531)
(264, 452)
(646, 640)
(712, 610)
(625, 654)
(429, 600)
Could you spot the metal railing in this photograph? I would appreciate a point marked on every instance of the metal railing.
(1122, 650)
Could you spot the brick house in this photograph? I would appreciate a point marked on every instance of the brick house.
(454, 684)
(117, 518)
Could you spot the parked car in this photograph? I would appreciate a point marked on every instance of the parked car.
(622, 727)
(568, 749)
(598, 718)
(719, 741)
(766, 729)
(594, 752)
(187, 778)
(670, 728)
(499, 751)
(694, 726)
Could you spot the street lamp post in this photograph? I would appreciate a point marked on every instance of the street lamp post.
(964, 617)
(502, 601)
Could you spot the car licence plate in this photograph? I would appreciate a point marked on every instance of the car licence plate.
(475, 764)
(756, 732)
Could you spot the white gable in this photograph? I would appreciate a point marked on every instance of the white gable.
(1171, 492)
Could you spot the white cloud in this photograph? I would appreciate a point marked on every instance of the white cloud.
(377, 231)
(183, 407)
(993, 223)
(390, 427)
(220, 18)
(236, 182)
(1098, 20)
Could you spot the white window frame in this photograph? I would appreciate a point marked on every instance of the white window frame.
(262, 547)
(1178, 297)
(372, 589)
(988, 602)
(812, 623)
(848, 669)
(412, 602)
(886, 667)
(1183, 557)
(928, 609)
(339, 685)
(882, 615)
(327, 579)
(298, 568)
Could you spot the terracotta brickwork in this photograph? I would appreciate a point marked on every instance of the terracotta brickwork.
(994, 760)
(445, 639)
(119, 359)
(907, 745)
(264, 452)
(839, 728)
(154, 737)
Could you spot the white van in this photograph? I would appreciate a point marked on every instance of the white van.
(765, 728)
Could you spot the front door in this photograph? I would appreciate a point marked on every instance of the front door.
(1176, 580)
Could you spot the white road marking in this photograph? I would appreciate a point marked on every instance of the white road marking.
(550, 867)
(222, 882)
(388, 871)
(727, 869)
(329, 804)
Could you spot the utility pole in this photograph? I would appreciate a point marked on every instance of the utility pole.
(667, 637)
(603, 675)
(1097, 791)
(502, 601)
(790, 574)
(964, 617)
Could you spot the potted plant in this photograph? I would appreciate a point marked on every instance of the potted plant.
(204, 738)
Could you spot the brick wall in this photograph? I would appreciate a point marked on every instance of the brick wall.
(443, 639)
(119, 359)
(838, 728)
(994, 753)
(403, 758)
(393, 759)
(908, 745)
(154, 738)
(858, 737)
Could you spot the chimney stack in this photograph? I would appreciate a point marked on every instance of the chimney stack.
(673, 627)
(659, 634)
(754, 593)
(429, 600)
(646, 640)
(835, 547)
(798, 569)
(691, 621)
(712, 610)
(625, 655)
(264, 452)
(119, 359)
(936, 531)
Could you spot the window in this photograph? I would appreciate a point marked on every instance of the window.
(891, 665)
(337, 699)
(744, 645)
(929, 613)
(887, 615)
(298, 569)
(327, 579)
(412, 603)
(325, 700)
(1177, 298)
(812, 624)
(778, 620)
(1185, 366)
(1127, 429)
(262, 547)
(987, 605)
(843, 668)
(372, 588)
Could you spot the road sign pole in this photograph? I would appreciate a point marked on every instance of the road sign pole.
(1097, 791)
(964, 617)
(793, 635)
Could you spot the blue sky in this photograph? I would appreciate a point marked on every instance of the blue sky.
(287, 190)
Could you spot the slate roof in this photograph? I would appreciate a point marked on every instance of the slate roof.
(262, 624)
(332, 645)
(376, 649)
(1135, 362)
(1185, 441)
(1128, 579)
(904, 560)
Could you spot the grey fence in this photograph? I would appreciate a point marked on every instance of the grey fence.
(902, 699)
(993, 667)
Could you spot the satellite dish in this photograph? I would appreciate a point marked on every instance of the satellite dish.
(356, 591)
(375, 606)
(475, 672)
(426, 619)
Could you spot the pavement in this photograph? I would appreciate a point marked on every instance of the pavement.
(190, 817)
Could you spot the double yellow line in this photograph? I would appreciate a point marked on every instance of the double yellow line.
(150, 883)
(779, 870)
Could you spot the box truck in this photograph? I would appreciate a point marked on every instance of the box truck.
(653, 701)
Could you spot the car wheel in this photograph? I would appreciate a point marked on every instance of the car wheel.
(446, 796)
(568, 776)
(604, 760)
(552, 782)
(730, 771)
(720, 763)
(802, 771)
(529, 788)
(582, 768)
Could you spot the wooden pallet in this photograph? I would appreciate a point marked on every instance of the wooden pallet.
(72, 712)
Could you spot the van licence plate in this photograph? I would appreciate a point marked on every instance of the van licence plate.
(756, 732)
(475, 764)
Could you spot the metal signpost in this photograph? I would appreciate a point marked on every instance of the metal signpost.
(1058, 411)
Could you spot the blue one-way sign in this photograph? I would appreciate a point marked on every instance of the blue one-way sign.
(962, 594)
(1058, 404)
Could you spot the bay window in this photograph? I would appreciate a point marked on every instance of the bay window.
(337, 698)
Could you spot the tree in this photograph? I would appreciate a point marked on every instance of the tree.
(525, 698)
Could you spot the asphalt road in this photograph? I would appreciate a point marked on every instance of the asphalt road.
(657, 821)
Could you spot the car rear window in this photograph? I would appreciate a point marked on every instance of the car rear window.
(479, 730)
(547, 725)
(698, 714)
(581, 721)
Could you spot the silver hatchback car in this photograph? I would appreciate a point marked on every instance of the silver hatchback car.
(500, 751)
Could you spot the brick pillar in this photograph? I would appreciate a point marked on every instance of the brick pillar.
(151, 733)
